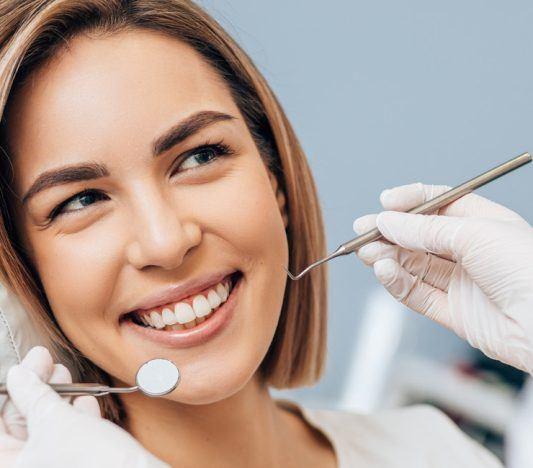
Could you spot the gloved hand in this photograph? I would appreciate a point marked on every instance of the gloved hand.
(469, 267)
(38, 428)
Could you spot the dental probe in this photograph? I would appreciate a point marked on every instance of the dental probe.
(429, 206)
(154, 378)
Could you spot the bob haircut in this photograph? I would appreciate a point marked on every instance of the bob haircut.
(31, 31)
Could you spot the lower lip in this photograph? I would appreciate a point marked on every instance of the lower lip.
(198, 335)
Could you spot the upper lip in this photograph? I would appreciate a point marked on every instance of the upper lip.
(179, 291)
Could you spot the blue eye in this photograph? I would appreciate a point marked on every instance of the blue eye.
(203, 155)
(77, 202)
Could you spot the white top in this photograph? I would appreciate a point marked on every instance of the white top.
(415, 437)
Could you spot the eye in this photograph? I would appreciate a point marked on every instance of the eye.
(76, 203)
(203, 155)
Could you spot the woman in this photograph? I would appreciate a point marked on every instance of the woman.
(154, 190)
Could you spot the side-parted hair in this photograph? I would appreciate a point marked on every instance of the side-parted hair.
(32, 31)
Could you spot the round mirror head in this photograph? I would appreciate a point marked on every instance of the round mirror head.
(157, 377)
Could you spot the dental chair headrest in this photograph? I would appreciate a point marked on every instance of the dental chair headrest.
(17, 332)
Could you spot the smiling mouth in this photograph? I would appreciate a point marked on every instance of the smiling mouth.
(188, 312)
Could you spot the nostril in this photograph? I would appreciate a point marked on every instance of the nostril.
(168, 255)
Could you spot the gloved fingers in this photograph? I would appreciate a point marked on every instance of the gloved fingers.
(364, 223)
(3, 426)
(371, 253)
(431, 269)
(429, 233)
(9, 449)
(31, 396)
(406, 197)
(87, 404)
(61, 375)
(13, 422)
(412, 292)
(39, 360)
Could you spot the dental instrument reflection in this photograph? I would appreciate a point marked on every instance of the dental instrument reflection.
(154, 378)
(430, 206)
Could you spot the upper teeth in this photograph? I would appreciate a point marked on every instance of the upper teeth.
(186, 314)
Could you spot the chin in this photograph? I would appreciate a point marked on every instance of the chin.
(212, 387)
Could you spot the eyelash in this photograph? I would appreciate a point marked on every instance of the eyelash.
(219, 149)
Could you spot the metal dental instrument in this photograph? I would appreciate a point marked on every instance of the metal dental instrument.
(427, 207)
(154, 378)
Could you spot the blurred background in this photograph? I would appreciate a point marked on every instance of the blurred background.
(385, 93)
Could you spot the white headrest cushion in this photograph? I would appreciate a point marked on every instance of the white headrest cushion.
(17, 332)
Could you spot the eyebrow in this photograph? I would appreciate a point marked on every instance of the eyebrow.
(186, 128)
(92, 170)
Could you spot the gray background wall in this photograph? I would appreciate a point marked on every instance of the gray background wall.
(384, 93)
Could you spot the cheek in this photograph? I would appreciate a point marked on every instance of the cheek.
(79, 274)
(242, 212)
(242, 209)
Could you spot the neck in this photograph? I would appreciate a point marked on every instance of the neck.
(246, 429)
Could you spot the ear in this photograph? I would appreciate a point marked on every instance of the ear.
(280, 197)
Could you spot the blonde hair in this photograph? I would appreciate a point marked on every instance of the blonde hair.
(32, 31)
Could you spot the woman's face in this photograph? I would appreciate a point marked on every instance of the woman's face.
(152, 203)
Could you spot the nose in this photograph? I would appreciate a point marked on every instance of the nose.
(162, 235)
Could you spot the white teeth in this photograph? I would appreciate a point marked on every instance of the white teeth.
(169, 317)
(222, 292)
(184, 312)
(214, 299)
(157, 320)
(201, 306)
(185, 315)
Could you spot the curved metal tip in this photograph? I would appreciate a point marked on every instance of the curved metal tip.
(289, 274)
(298, 276)
(307, 270)
(340, 251)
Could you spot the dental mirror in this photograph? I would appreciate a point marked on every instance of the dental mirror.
(155, 378)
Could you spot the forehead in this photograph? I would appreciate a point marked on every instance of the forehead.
(110, 94)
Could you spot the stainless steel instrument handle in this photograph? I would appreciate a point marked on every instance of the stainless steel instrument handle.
(444, 199)
(78, 389)
(427, 207)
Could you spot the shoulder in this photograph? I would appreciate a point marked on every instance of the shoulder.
(414, 433)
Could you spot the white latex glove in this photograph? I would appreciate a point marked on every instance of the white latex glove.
(38, 428)
(469, 268)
